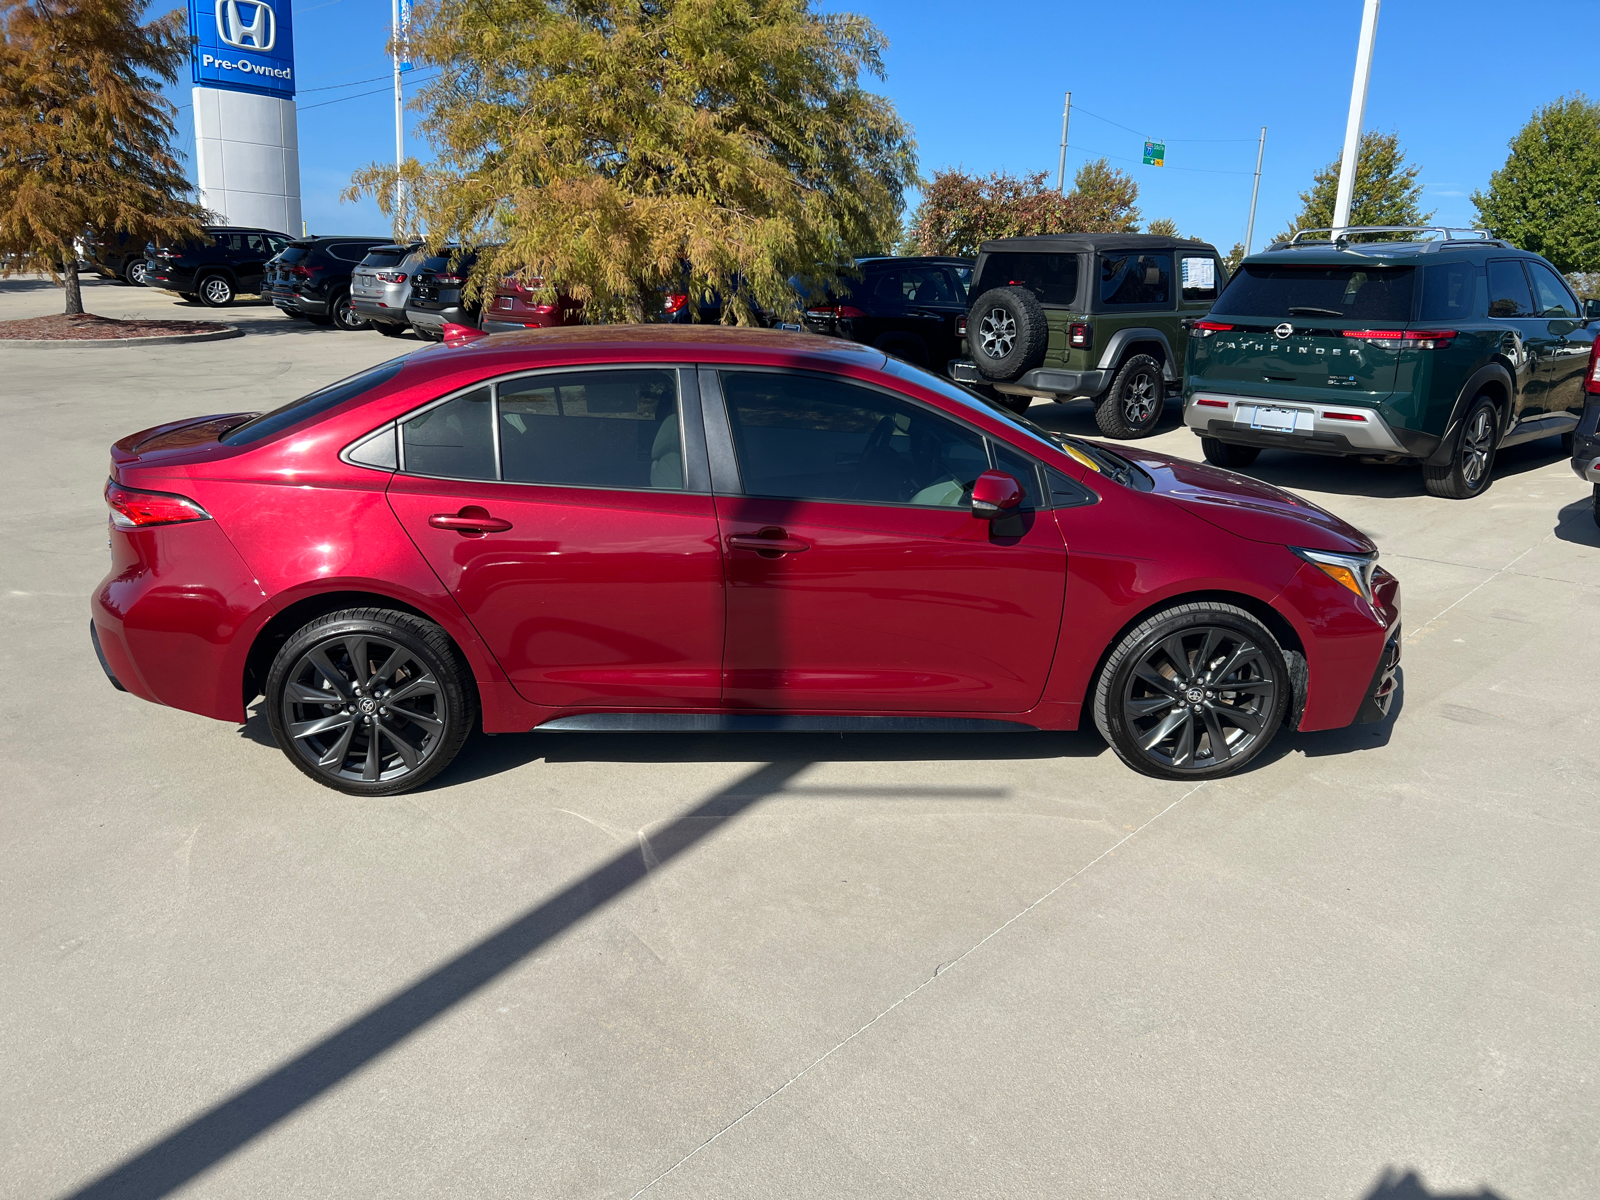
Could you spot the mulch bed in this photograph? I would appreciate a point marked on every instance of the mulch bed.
(86, 327)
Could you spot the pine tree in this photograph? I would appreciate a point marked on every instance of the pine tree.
(1547, 196)
(85, 134)
(1163, 227)
(614, 147)
(1386, 192)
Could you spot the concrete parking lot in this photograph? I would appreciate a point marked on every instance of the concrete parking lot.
(804, 966)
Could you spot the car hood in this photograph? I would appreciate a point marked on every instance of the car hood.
(1247, 507)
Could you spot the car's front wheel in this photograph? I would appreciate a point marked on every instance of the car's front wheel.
(370, 702)
(135, 272)
(216, 291)
(1194, 692)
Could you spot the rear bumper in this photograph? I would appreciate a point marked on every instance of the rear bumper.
(377, 309)
(294, 302)
(1318, 429)
(94, 637)
(437, 319)
(1047, 383)
(1587, 468)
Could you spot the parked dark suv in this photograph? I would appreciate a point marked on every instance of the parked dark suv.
(117, 256)
(437, 294)
(230, 260)
(311, 279)
(1087, 316)
(913, 308)
(1429, 345)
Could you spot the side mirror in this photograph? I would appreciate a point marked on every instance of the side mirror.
(1591, 309)
(994, 493)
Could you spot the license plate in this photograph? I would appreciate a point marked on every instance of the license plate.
(1279, 420)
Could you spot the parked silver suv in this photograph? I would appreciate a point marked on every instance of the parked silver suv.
(381, 285)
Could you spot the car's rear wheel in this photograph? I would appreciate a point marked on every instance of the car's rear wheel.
(1195, 692)
(1471, 467)
(389, 328)
(1597, 504)
(134, 272)
(216, 291)
(344, 314)
(370, 702)
(1225, 454)
(1132, 405)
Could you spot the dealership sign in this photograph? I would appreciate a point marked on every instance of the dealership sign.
(244, 45)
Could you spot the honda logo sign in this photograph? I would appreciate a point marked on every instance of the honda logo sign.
(247, 25)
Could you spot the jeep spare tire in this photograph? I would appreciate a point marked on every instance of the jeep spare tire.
(1007, 333)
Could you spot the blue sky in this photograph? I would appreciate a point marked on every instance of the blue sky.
(981, 84)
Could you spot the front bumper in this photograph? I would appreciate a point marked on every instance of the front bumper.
(1046, 383)
(1318, 428)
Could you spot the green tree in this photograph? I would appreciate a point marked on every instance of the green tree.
(959, 212)
(1163, 227)
(613, 147)
(1386, 192)
(1547, 196)
(1233, 258)
(85, 134)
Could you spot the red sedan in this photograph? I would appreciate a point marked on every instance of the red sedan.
(693, 528)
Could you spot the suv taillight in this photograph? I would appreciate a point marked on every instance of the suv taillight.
(300, 272)
(1591, 377)
(845, 312)
(1207, 328)
(448, 279)
(1408, 339)
(135, 509)
(1080, 337)
(961, 325)
(391, 276)
(675, 302)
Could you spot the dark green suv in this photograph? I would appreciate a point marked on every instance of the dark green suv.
(1087, 316)
(1426, 344)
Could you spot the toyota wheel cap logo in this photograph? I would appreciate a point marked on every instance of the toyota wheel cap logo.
(260, 35)
(1283, 331)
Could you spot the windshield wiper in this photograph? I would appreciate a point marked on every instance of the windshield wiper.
(1301, 310)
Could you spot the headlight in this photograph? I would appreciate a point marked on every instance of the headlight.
(1353, 571)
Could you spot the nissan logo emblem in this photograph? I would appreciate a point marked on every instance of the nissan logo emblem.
(1283, 331)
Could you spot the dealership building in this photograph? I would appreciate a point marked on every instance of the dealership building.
(246, 140)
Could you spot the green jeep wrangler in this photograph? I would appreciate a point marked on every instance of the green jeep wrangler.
(1087, 316)
(1423, 344)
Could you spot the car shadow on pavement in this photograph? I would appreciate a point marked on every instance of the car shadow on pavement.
(1394, 1186)
(1577, 523)
(1352, 739)
(1388, 481)
(1076, 417)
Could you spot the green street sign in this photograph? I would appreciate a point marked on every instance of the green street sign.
(1155, 154)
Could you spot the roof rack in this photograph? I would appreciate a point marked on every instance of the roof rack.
(1341, 237)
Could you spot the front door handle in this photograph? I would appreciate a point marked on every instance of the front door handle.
(471, 521)
(769, 543)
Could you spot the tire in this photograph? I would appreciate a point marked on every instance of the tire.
(426, 334)
(910, 349)
(216, 291)
(1597, 504)
(1224, 454)
(1470, 470)
(353, 741)
(1017, 404)
(389, 328)
(1152, 701)
(343, 315)
(1133, 404)
(134, 272)
(1007, 333)
(1569, 443)
(191, 297)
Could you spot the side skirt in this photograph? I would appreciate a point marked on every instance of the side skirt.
(663, 722)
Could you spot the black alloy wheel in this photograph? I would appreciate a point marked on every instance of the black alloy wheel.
(1132, 405)
(1225, 454)
(1195, 692)
(1471, 467)
(344, 314)
(997, 332)
(135, 272)
(369, 702)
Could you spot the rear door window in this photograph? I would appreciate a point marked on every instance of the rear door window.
(1136, 280)
(1451, 292)
(1348, 293)
(1053, 278)
(453, 440)
(611, 429)
(1509, 295)
(1552, 294)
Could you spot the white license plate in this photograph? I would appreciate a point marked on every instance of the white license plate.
(1279, 420)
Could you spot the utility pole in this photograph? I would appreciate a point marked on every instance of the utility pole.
(1061, 170)
(399, 123)
(1358, 111)
(1255, 190)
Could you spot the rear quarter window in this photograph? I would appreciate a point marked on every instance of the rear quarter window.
(1452, 292)
(1345, 293)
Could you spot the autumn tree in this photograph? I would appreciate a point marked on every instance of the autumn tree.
(1386, 191)
(1547, 196)
(1163, 227)
(85, 134)
(959, 212)
(617, 147)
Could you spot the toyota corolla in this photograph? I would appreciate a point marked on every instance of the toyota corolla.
(691, 528)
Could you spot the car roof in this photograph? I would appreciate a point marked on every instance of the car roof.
(1077, 243)
(323, 238)
(889, 260)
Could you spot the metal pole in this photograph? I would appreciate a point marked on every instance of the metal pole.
(399, 131)
(1255, 190)
(1358, 110)
(1061, 170)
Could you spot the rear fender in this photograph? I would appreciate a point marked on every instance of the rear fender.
(1119, 342)
(1496, 378)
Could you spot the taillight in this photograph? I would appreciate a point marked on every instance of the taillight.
(392, 276)
(844, 312)
(1080, 337)
(135, 509)
(1591, 377)
(1408, 339)
(1207, 328)
(675, 302)
(299, 272)
(450, 280)
(961, 325)
(166, 252)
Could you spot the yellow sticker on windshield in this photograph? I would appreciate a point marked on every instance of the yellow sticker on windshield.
(1083, 458)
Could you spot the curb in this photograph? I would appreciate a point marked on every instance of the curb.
(216, 335)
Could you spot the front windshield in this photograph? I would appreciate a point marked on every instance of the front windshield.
(1096, 458)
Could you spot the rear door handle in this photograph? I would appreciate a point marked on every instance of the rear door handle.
(471, 521)
(768, 542)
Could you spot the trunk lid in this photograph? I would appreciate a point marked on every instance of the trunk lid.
(176, 441)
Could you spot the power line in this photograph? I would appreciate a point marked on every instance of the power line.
(1140, 133)
(359, 95)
